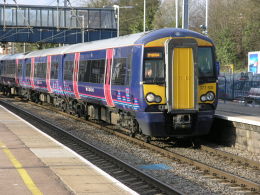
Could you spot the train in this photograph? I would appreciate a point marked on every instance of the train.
(160, 83)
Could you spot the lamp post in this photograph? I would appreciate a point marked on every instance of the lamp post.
(4, 14)
(82, 27)
(206, 22)
(177, 13)
(117, 8)
(144, 14)
(185, 14)
(58, 2)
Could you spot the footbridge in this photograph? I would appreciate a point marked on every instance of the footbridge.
(55, 24)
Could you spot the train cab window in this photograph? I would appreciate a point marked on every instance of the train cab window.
(54, 70)
(154, 67)
(121, 71)
(205, 62)
(28, 69)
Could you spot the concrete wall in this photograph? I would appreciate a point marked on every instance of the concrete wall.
(237, 134)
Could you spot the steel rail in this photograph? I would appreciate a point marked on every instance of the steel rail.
(122, 171)
(233, 157)
(234, 179)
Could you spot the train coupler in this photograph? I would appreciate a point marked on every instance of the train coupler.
(182, 121)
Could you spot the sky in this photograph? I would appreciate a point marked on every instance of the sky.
(40, 2)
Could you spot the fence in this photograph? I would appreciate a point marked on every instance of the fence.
(238, 86)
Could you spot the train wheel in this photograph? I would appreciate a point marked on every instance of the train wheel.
(148, 139)
(79, 113)
(132, 134)
(64, 107)
(86, 117)
(196, 142)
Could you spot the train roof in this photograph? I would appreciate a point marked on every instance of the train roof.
(170, 32)
(88, 46)
(12, 56)
(133, 39)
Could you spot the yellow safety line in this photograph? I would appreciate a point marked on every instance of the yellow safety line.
(23, 173)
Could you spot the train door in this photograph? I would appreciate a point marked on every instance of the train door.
(181, 75)
(23, 73)
(75, 75)
(16, 72)
(68, 68)
(121, 78)
(48, 74)
(32, 73)
(107, 81)
(27, 73)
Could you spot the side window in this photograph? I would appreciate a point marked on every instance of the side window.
(1, 67)
(83, 71)
(12, 68)
(19, 71)
(68, 70)
(28, 69)
(97, 68)
(40, 70)
(92, 71)
(121, 71)
(54, 70)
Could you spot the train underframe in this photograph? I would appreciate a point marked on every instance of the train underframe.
(149, 124)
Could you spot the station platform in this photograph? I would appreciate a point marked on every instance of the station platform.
(239, 112)
(31, 162)
(237, 125)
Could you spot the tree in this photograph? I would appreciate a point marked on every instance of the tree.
(99, 3)
(165, 16)
(131, 20)
(235, 25)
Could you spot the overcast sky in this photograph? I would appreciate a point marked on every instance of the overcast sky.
(40, 2)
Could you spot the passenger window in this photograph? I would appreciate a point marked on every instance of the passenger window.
(92, 71)
(54, 70)
(40, 70)
(121, 71)
(28, 69)
(19, 71)
(68, 70)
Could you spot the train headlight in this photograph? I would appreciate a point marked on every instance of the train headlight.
(210, 96)
(150, 97)
(158, 99)
(203, 98)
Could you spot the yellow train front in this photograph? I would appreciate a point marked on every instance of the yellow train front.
(179, 84)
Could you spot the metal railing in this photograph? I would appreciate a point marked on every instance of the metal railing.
(237, 86)
(56, 17)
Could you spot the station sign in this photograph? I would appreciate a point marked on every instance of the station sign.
(254, 62)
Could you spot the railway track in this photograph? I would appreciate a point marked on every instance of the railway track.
(213, 172)
(127, 174)
(232, 157)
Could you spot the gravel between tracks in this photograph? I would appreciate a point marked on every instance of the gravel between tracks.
(186, 178)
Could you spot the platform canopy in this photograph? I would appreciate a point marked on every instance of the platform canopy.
(50, 24)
